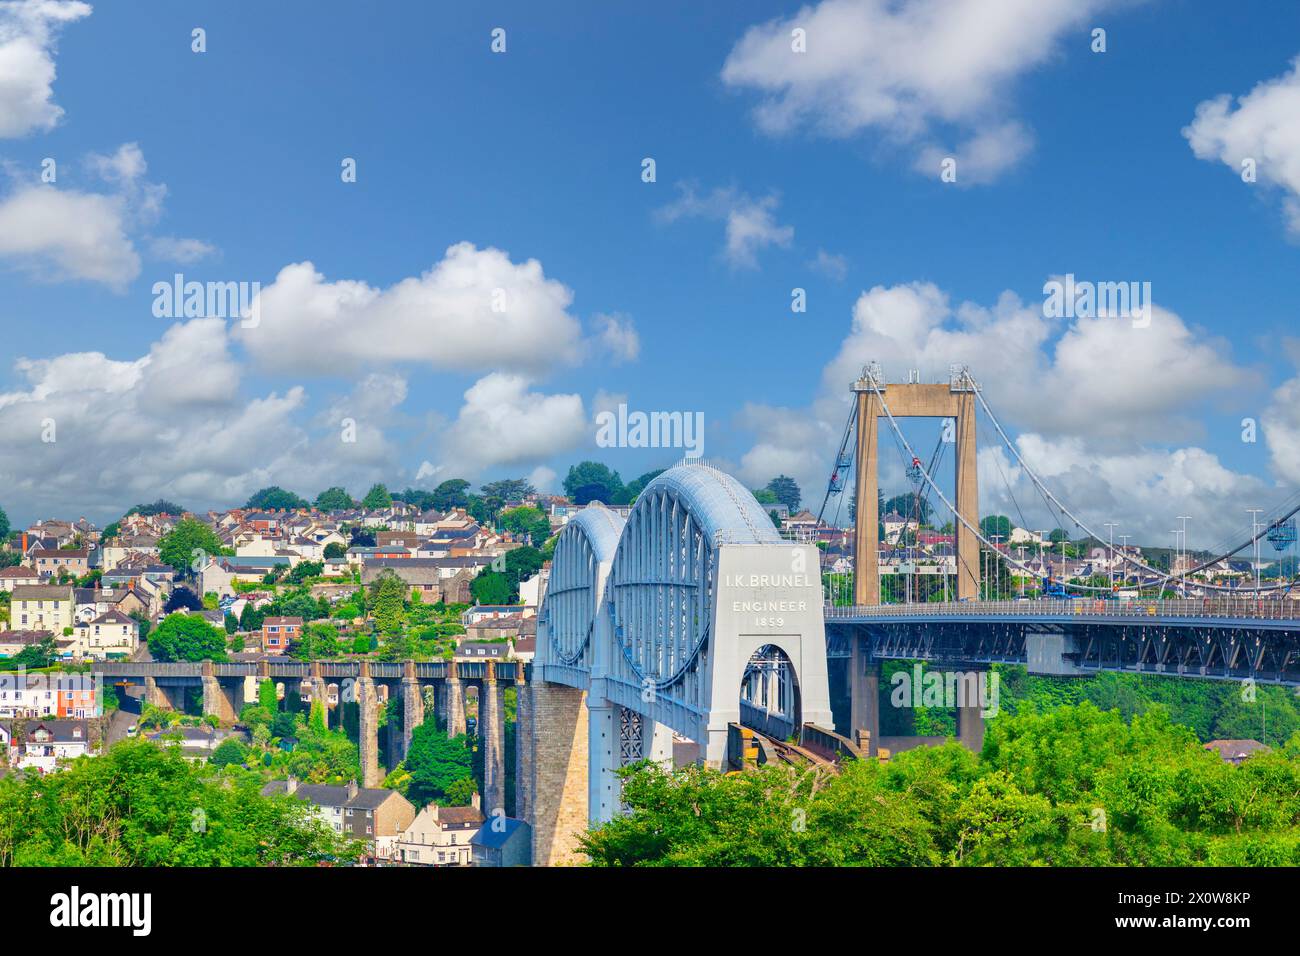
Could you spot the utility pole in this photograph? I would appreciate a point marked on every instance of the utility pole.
(997, 567)
(1022, 571)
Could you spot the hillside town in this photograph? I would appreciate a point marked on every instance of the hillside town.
(446, 575)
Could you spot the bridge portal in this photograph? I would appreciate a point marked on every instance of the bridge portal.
(649, 628)
(955, 400)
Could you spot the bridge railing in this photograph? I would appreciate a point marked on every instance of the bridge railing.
(1238, 608)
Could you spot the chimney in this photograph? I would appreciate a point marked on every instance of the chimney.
(291, 785)
(24, 543)
(476, 802)
(352, 789)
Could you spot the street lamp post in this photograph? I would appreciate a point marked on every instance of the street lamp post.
(1254, 534)
(1123, 541)
(1110, 563)
(1042, 565)
(1184, 519)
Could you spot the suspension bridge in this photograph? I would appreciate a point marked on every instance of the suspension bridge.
(694, 627)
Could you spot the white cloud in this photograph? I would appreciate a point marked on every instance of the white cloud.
(172, 422)
(1142, 489)
(832, 265)
(28, 29)
(1263, 128)
(981, 158)
(1099, 377)
(1280, 424)
(184, 251)
(750, 223)
(58, 234)
(618, 337)
(446, 318)
(543, 479)
(1116, 399)
(503, 423)
(911, 70)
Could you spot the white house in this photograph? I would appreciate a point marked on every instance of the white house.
(46, 744)
(111, 634)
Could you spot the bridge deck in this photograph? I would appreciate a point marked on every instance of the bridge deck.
(1192, 612)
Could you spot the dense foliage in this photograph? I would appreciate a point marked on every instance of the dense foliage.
(187, 637)
(142, 805)
(1073, 787)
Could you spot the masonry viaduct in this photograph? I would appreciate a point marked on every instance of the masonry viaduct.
(227, 687)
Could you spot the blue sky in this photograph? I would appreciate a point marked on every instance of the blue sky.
(537, 152)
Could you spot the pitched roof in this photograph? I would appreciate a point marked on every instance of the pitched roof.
(495, 836)
(42, 592)
(323, 795)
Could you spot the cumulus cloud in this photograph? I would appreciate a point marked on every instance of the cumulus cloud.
(1116, 399)
(56, 234)
(750, 223)
(1097, 377)
(474, 310)
(1281, 422)
(1262, 128)
(28, 30)
(503, 422)
(1141, 489)
(913, 71)
(172, 422)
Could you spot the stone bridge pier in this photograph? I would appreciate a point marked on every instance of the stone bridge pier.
(220, 696)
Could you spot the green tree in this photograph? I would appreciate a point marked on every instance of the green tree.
(388, 597)
(507, 489)
(452, 493)
(316, 640)
(335, 550)
(637, 485)
(188, 544)
(377, 497)
(999, 525)
(333, 499)
(590, 481)
(786, 490)
(436, 762)
(160, 507)
(527, 520)
(304, 570)
(275, 498)
(187, 637)
(522, 564)
(908, 505)
(229, 751)
(250, 618)
(4, 525)
(491, 587)
(40, 654)
(142, 801)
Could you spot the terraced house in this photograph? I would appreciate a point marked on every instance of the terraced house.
(47, 607)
